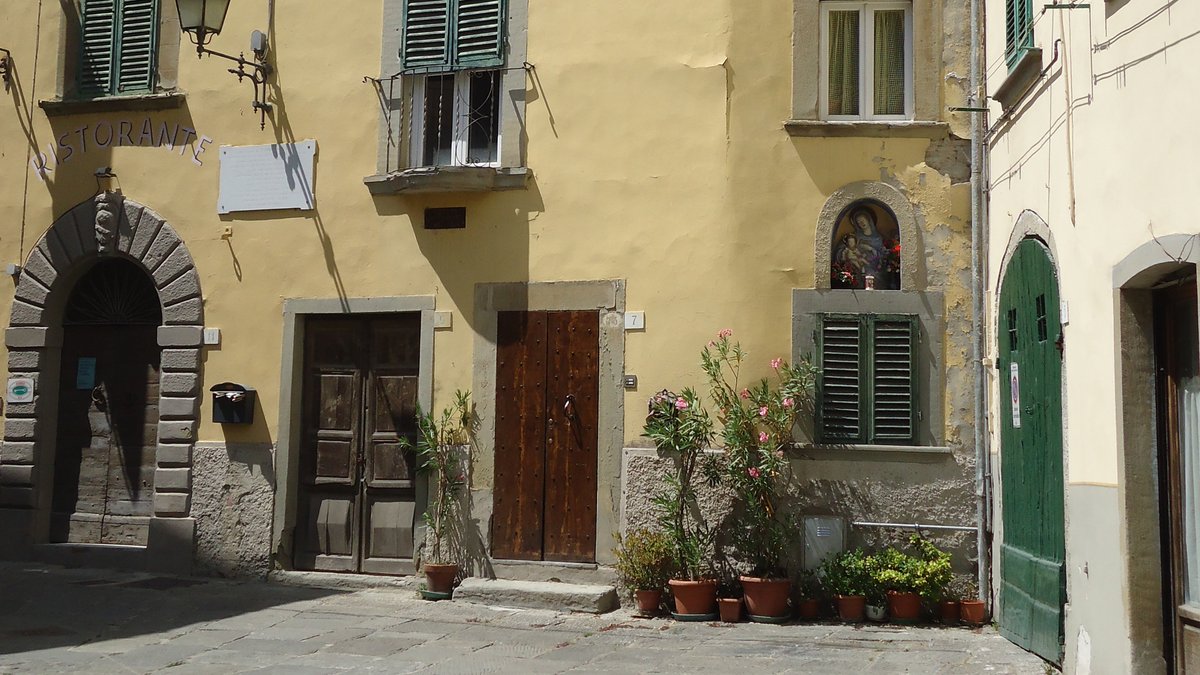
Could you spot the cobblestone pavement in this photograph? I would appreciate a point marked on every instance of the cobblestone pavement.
(91, 621)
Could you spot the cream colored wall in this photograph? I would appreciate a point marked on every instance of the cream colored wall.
(1103, 152)
(661, 160)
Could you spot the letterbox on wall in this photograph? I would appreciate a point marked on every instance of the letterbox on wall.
(233, 403)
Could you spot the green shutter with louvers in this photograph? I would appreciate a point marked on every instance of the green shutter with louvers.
(136, 46)
(442, 35)
(841, 395)
(426, 34)
(479, 33)
(98, 32)
(1018, 29)
(893, 382)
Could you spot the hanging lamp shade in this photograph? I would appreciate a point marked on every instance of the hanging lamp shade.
(202, 17)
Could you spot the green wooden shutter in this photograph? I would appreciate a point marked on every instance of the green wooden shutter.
(893, 375)
(97, 37)
(426, 34)
(479, 33)
(841, 342)
(137, 45)
(1018, 29)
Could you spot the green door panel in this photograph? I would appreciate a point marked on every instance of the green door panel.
(1033, 551)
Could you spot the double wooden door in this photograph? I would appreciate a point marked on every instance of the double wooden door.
(357, 504)
(547, 375)
(1033, 551)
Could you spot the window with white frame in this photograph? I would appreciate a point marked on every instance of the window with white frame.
(866, 60)
(454, 50)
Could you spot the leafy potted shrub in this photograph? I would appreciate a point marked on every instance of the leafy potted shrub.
(908, 578)
(809, 607)
(729, 601)
(443, 446)
(643, 563)
(846, 576)
(681, 428)
(756, 430)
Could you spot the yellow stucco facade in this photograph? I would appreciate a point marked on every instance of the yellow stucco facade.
(655, 135)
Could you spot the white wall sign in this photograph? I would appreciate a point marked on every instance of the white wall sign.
(20, 390)
(267, 177)
(1014, 383)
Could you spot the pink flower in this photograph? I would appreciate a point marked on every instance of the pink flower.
(725, 332)
(762, 437)
(753, 472)
(779, 454)
(789, 402)
(775, 363)
(745, 393)
(712, 343)
(762, 412)
(681, 404)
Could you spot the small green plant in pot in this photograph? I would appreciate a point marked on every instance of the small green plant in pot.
(908, 578)
(443, 449)
(644, 562)
(811, 594)
(848, 576)
(681, 429)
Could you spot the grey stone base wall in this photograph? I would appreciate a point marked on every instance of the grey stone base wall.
(858, 487)
(233, 495)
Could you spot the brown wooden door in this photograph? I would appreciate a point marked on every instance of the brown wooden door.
(358, 488)
(547, 387)
(1178, 364)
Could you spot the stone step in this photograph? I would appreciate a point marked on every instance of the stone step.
(108, 556)
(592, 599)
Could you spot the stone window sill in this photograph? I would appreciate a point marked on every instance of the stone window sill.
(1021, 76)
(866, 129)
(166, 100)
(449, 179)
(873, 453)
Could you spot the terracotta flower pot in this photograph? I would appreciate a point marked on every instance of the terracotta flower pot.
(766, 597)
(731, 609)
(648, 601)
(972, 611)
(439, 577)
(851, 607)
(810, 609)
(694, 597)
(904, 606)
(948, 611)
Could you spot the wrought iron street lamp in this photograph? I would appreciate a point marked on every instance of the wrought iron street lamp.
(201, 20)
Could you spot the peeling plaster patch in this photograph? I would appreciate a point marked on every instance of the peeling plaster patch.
(950, 156)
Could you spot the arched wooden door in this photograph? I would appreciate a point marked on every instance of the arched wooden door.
(107, 408)
(1033, 550)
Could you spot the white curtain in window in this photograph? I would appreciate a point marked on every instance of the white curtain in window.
(843, 63)
(1189, 442)
(889, 62)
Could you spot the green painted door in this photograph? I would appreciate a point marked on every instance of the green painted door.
(1033, 551)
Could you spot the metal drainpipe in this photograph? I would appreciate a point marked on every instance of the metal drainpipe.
(978, 280)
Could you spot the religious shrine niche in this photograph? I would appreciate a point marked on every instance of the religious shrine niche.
(866, 248)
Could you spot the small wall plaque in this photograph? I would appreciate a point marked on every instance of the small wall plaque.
(20, 390)
(267, 177)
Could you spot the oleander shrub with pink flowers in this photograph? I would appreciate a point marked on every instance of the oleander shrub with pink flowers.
(757, 421)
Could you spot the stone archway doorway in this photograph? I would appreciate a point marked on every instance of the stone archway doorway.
(107, 408)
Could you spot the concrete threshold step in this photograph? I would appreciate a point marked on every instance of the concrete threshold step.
(342, 580)
(592, 599)
(111, 556)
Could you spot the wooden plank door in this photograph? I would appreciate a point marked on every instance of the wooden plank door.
(1033, 551)
(108, 431)
(547, 376)
(1177, 356)
(357, 492)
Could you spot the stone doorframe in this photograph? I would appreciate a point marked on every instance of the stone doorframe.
(608, 298)
(291, 387)
(105, 226)
(1137, 459)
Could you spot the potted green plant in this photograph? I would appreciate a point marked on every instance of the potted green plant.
(729, 601)
(681, 429)
(811, 593)
(443, 447)
(909, 578)
(971, 606)
(846, 576)
(756, 432)
(643, 563)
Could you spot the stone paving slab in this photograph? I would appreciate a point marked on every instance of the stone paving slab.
(95, 621)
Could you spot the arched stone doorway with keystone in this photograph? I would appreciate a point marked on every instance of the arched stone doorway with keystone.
(107, 322)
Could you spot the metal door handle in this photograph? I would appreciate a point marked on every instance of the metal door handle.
(569, 408)
(98, 396)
